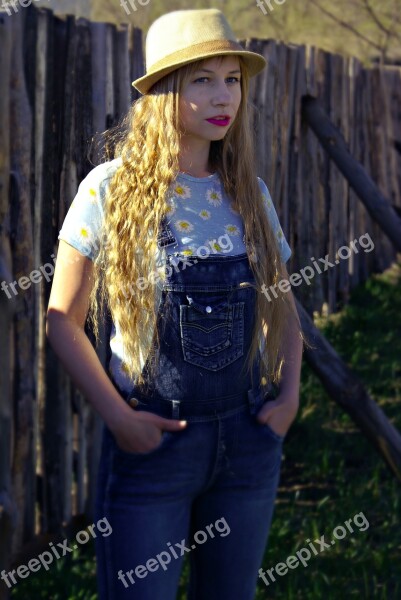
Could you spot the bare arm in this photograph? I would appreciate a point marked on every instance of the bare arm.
(281, 412)
(291, 349)
(66, 316)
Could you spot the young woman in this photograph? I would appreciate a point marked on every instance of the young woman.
(178, 238)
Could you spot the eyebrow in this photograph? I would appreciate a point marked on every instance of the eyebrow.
(209, 71)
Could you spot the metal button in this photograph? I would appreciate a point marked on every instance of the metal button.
(208, 309)
(133, 402)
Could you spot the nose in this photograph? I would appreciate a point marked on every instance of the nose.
(222, 93)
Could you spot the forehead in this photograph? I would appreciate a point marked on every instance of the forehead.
(226, 62)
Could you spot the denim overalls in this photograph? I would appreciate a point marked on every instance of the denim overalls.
(207, 491)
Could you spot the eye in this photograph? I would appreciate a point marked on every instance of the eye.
(236, 79)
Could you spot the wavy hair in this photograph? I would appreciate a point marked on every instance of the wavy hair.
(148, 141)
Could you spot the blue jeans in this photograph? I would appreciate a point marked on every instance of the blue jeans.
(209, 490)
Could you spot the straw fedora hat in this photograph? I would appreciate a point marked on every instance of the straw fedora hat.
(183, 36)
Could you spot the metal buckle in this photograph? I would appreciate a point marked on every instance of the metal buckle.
(176, 408)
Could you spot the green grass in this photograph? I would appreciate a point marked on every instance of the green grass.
(330, 473)
(69, 578)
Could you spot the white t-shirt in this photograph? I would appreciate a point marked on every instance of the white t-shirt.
(201, 220)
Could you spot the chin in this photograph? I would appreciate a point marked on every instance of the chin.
(219, 135)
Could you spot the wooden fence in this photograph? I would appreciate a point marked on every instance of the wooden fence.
(62, 80)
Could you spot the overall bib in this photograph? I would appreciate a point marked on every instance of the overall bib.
(207, 491)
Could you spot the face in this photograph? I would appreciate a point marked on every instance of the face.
(213, 91)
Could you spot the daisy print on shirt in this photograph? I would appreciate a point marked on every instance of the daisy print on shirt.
(199, 211)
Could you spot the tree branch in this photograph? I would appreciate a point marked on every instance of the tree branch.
(346, 26)
(375, 18)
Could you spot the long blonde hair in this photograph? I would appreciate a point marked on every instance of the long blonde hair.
(148, 141)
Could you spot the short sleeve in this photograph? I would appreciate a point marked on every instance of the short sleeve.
(82, 223)
(285, 249)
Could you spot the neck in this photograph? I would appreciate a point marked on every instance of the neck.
(194, 158)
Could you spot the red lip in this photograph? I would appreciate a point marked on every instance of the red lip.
(220, 122)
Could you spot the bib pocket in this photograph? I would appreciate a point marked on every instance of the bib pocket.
(212, 331)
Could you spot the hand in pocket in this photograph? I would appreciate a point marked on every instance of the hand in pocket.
(279, 413)
(140, 432)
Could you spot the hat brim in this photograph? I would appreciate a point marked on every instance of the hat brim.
(255, 64)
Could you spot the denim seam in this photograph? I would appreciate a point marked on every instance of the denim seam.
(106, 511)
(218, 456)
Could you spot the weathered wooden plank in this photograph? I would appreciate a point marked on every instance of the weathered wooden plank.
(344, 264)
(384, 122)
(392, 89)
(137, 65)
(21, 167)
(8, 507)
(54, 132)
(98, 44)
(311, 209)
(355, 207)
(83, 98)
(262, 97)
(99, 119)
(288, 63)
(39, 206)
(331, 139)
(121, 68)
(393, 78)
(294, 144)
(57, 438)
(365, 93)
(83, 130)
(332, 181)
(109, 71)
(377, 151)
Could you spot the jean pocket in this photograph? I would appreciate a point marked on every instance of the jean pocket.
(261, 400)
(212, 332)
(272, 434)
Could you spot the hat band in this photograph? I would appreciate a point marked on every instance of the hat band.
(195, 51)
